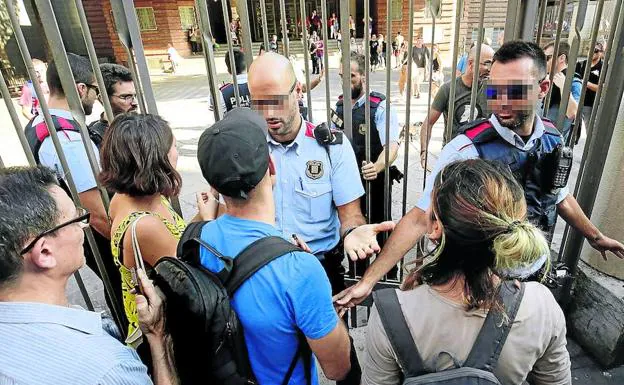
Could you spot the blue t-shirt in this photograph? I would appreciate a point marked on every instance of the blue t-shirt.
(290, 293)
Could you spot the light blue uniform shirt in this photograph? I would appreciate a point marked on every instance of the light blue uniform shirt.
(75, 153)
(309, 187)
(461, 148)
(47, 344)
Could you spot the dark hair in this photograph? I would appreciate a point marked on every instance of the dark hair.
(113, 74)
(134, 156)
(360, 60)
(26, 209)
(564, 48)
(518, 49)
(482, 211)
(239, 61)
(80, 68)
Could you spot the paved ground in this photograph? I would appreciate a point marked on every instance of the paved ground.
(183, 100)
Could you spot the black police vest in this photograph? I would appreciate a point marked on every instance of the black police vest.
(359, 128)
(227, 90)
(530, 168)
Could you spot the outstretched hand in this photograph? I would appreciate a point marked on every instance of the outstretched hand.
(351, 297)
(603, 244)
(362, 243)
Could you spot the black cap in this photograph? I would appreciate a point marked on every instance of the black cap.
(233, 154)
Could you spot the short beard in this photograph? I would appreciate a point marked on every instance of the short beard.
(518, 122)
(356, 91)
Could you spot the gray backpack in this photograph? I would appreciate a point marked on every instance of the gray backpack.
(481, 362)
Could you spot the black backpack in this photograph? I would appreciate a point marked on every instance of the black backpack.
(208, 341)
(483, 357)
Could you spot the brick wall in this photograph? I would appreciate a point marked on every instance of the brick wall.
(169, 29)
(99, 28)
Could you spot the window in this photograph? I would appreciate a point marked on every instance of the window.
(187, 17)
(397, 10)
(147, 21)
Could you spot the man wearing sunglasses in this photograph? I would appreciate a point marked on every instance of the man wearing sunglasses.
(463, 90)
(44, 339)
(560, 69)
(121, 95)
(513, 134)
(74, 150)
(594, 77)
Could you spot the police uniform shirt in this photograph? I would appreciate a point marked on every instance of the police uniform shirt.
(380, 121)
(240, 79)
(461, 148)
(309, 187)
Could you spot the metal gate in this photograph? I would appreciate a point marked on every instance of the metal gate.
(528, 20)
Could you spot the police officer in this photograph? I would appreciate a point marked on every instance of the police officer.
(374, 170)
(515, 135)
(318, 187)
(227, 95)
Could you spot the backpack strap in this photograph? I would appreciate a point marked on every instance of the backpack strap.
(486, 350)
(398, 332)
(254, 257)
(188, 249)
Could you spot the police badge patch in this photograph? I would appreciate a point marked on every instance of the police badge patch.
(314, 169)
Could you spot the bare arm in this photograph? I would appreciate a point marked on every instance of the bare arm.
(425, 130)
(92, 201)
(572, 108)
(26, 111)
(350, 216)
(572, 213)
(370, 171)
(155, 242)
(592, 86)
(333, 352)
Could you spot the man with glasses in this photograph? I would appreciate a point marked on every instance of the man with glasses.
(594, 77)
(121, 94)
(76, 155)
(42, 235)
(513, 135)
(318, 186)
(463, 89)
(560, 68)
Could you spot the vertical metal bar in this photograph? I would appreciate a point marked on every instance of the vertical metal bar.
(204, 26)
(86, 33)
(53, 35)
(228, 37)
(433, 25)
(305, 43)
(540, 25)
(594, 36)
(83, 291)
(576, 41)
(451, 108)
(553, 67)
(589, 182)
(408, 106)
(592, 119)
(530, 10)
(476, 63)
(367, 116)
(265, 28)
(326, 60)
(603, 73)
(285, 40)
(6, 95)
(511, 21)
(346, 69)
(45, 111)
(243, 14)
(387, 192)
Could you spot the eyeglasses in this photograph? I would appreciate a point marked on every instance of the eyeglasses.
(96, 88)
(83, 217)
(513, 91)
(127, 98)
(275, 100)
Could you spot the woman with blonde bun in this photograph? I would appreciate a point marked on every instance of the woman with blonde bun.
(477, 220)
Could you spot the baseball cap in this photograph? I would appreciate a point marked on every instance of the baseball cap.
(233, 154)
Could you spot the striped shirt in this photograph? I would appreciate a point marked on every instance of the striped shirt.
(47, 344)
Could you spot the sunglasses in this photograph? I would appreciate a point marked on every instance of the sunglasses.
(513, 91)
(83, 217)
(275, 100)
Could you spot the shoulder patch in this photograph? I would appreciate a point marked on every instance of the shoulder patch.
(224, 86)
(309, 129)
(473, 131)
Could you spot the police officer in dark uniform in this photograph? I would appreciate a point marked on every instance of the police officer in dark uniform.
(374, 170)
(228, 97)
(516, 136)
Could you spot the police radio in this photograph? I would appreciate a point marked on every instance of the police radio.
(563, 166)
(325, 136)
